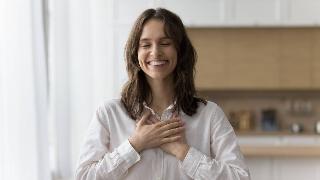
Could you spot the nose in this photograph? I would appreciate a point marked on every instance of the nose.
(156, 51)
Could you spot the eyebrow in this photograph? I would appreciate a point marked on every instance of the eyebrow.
(147, 39)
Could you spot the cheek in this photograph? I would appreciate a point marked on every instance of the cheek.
(140, 57)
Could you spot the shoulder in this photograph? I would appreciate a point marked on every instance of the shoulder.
(211, 108)
(107, 107)
(111, 104)
(109, 110)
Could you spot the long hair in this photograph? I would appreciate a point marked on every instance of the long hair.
(137, 90)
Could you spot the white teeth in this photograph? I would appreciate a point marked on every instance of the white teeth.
(156, 63)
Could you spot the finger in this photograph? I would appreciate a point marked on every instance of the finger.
(170, 139)
(172, 125)
(144, 118)
(175, 131)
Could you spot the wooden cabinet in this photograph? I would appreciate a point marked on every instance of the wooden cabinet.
(315, 63)
(251, 64)
(257, 59)
(295, 57)
(210, 71)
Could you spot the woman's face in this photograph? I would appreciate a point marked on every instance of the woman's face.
(157, 54)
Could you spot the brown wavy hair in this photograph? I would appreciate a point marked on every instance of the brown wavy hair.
(137, 90)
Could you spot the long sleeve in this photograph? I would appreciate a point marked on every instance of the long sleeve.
(96, 161)
(227, 161)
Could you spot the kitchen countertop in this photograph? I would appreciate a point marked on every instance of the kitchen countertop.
(280, 151)
(284, 144)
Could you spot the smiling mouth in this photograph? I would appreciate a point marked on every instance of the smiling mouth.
(157, 62)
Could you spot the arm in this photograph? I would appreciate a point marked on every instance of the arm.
(96, 161)
(227, 163)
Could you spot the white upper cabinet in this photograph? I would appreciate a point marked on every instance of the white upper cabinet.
(227, 13)
(237, 13)
(198, 13)
(126, 12)
(302, 12)
(253, 12)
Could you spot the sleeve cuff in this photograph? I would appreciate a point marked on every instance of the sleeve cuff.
(191, 162)
(128, 153)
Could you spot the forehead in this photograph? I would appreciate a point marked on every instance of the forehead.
(153, 29)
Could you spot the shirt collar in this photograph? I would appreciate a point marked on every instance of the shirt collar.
(167, 113)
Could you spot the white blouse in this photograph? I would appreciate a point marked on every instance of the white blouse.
(214, 152)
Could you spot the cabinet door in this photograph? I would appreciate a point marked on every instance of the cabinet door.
(251, 60)
(198, 13)
(253, 12)
(297, 168)
(302, 12)
(295, 59)
(261, 168)
(126, 12)
(316, 61)
(211, 65)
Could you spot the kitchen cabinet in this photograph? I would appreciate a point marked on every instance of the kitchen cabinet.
(253, 12)
(257, 59)
(126, 12)
(295, 47)
(228, 13)
(315, 63)
(223, 64)
(210, 72)
(199, 13)
(245, 13)
(298, 12)
(225, 13)
(251, 64)
(278, 157)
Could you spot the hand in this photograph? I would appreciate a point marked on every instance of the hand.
(148, 135)
(178, 148)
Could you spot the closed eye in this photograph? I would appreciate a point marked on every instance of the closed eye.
(145, 45)
(165, 44)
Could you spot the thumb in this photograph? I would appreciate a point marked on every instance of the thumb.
(144, 118)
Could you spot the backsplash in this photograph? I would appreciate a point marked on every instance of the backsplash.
(291, 106)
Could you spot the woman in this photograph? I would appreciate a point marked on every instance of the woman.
(159, 129)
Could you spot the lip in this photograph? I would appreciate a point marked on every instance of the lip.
(158, 60)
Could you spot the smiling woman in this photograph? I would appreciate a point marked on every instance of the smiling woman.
(160, 129)
(157, 54)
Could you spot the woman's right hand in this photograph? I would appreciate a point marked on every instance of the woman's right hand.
(148, 135)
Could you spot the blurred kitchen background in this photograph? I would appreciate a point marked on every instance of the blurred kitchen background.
(259, 60)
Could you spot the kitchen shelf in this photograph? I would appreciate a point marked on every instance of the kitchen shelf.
(283, 151)
(274, 133)
(279, 144)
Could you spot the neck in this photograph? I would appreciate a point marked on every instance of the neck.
(162, 94)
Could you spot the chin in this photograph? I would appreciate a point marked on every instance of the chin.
(158, 76)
